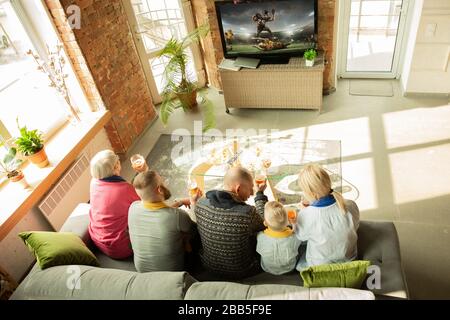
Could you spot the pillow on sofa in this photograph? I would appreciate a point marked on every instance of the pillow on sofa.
(58, 248)
(343, 275)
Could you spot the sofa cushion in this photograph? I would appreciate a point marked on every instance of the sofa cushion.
(378, 243)
(236, 291)
(340, 294)
(344, 275)
(78, 223)
(85, 283)
(58, 248)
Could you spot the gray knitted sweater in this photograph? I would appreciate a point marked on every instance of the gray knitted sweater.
(228, 229)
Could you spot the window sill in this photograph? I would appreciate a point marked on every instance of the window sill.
(62, 149)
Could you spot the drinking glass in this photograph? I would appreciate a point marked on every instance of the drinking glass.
(292, 214)
(260, 178)
(193, 188)
(137, 162)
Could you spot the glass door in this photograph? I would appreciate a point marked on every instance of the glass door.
(372, 32)
(153, 24)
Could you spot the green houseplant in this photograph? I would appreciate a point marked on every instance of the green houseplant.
(179, 91)
(309, 56)
(31, 144)
(9, 166)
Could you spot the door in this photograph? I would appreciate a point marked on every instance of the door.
(371, 38)
(153, 23)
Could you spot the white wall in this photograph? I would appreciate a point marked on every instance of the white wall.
(15, 258)
(412, 27)
(426, 64)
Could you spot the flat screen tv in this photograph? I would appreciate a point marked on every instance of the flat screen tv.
(267, 29)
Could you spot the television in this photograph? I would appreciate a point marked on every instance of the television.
(271, 30)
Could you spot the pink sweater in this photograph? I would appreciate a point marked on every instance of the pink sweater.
(108, 227)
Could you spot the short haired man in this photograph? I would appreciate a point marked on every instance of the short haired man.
(157, 230)
(228, 226)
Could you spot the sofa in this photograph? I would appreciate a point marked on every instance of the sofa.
(118, 279)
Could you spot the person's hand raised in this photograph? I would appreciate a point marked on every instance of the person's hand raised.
(194, 197)
(260, 186)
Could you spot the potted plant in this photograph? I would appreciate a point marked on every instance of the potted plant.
(9, 165)
(31, 145)
(179, 91)
(309, 56)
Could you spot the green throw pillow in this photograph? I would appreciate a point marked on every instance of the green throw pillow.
(342, 275)
(58, 248)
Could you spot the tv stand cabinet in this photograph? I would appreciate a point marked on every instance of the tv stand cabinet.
(275, 86)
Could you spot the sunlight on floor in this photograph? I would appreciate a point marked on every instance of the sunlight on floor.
(420, 174)
(364, 184)
(416, 126)
(354, 135)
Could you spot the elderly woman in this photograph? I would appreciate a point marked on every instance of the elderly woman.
(111, 196)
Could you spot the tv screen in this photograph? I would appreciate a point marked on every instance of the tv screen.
(267, 27)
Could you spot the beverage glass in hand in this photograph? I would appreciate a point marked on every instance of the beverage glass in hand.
(193, 188)
(260, 178)
(292, 215)
(138, 163)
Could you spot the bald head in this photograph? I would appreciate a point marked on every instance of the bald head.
(237, 175)
(239, 181)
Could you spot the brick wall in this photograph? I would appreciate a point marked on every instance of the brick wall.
(204, 11)
(107, 63)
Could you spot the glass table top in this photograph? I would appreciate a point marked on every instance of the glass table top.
(205, 160)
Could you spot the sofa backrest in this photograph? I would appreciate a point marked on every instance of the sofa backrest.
(236, 291)
(77, 282)
(377, 242)
(92, 283)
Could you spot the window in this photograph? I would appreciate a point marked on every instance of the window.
(24, 91)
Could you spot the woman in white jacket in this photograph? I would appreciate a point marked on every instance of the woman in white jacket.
(327, 222)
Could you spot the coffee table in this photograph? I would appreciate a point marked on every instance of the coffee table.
(181, 159)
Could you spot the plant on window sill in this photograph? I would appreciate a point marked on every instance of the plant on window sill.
(31, 144)
(54, 70)
(10, 165)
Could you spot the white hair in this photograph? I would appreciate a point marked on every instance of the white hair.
(103, 164)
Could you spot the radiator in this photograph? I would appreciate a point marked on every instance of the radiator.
(69, 191)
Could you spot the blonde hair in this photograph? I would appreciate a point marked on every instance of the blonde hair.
(275, 216)
(103, 164)
(316, 183)
(145, 184)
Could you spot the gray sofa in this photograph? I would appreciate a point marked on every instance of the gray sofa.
(118, 279)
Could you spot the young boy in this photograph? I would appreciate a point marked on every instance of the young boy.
(158, 231)
(277, 245)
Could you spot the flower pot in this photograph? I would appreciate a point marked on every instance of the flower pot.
(188, 99)
(39, 158)
(19, 177)
(309, 63)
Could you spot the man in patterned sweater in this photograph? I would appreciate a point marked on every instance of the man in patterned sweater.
(228, 226)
